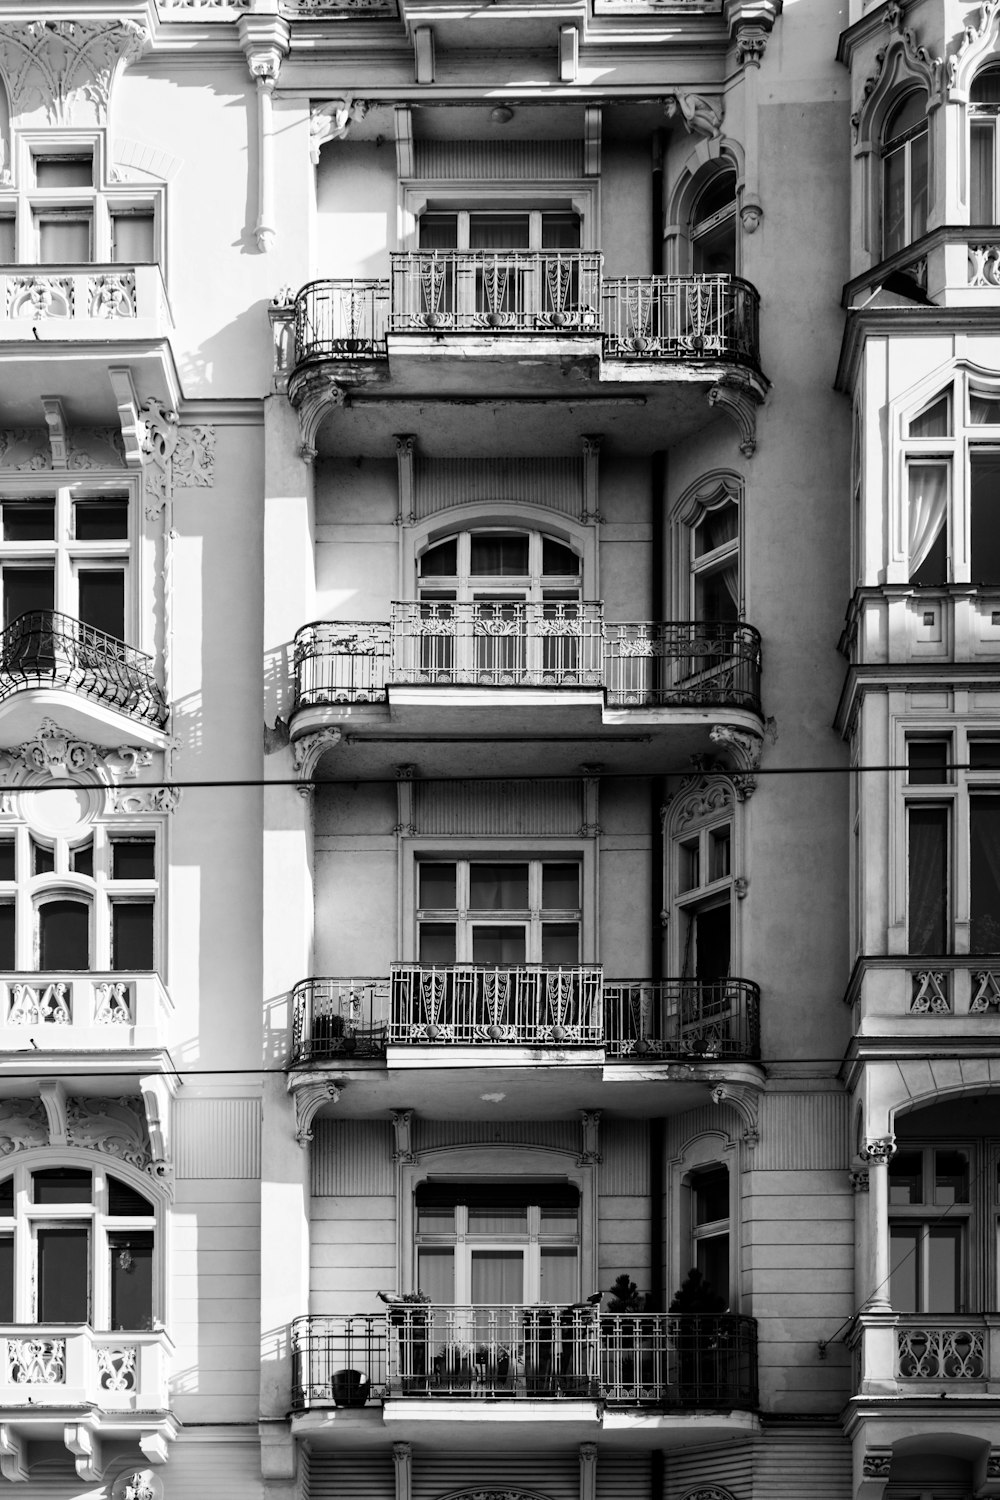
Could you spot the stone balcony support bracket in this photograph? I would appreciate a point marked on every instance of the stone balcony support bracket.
(86, 1448)
(309, 1100)
(13, 1454)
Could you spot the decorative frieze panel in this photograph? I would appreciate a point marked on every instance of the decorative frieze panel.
(443, 483)
(35, 297)
(37, 1004)
(485, 808)
(113, 1126)
(984, 265)
(930, 992)
(499, 161)
(116, 1367)
(941, 1353)
(28, 450)
(985, 991)
(36, 1361)
(62, 72)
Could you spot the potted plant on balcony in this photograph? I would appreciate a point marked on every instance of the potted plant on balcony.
(349, 1388)
(703, 1338)
(408, 1314)
(622, 1334)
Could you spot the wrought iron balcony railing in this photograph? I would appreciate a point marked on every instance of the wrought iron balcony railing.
(46, 649)
(522, 643)
(681, 318)
(509, 291)
(541, 1353)
(682, 1018)
(669, 318)
(526, 1005)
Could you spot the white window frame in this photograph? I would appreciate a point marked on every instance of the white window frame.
(530, 1243)
(530, 920)
(891, 146)
(697, 815)
(927, 1215)
(478, 516)
(710, 1149)
(710, 492)
(468, 195)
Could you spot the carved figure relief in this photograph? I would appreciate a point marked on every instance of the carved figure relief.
(109, 1125)
(695, 113)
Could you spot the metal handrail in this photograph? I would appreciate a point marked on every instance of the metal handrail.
(44, 648)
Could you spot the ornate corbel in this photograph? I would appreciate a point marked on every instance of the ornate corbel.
(406, 443)
(880, 1149)
(986, 1475)
(313, 398)
(402, 1470)
(307, 753)
(309, 1100)
(86, 1450)
(588, 1471)
(751, 43)
(155, 1446)
(52, 1092)
(159, 439)
(157, 1091)
(875, 1469)
(590, 1124)
(332, 121)
(402, 1123)
(739, 402)
(746, 1102)
(751, 214)
(744, 750)
(859, 1180)
(55, 421)
(13, 1454)
(590, 509)
(265, 40)
(696, 114)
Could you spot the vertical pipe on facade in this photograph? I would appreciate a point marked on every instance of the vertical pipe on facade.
(658, 896)
(656, 249)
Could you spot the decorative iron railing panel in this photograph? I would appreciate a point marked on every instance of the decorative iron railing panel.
(344, 1018)
(646, 1020)
(498, 643)
(341, 319)
(681, 317)
(342, 661)
(941, 1352)
(47, 649)
(526, 1353)
(496, 291)
(528, 1005)
(683, 662)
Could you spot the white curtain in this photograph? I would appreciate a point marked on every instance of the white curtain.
(928, 509)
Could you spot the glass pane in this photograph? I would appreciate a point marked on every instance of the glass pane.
(7, 1198)
(81, 860)
(560, 943)
(498, 231)
(951, 1178)
(904, 1266)
(125, 1203)
(8, 866)
(102, 600)
(928, 878)
(927, 762)
(894, 216)
(981, 172)
(716, 529)
(711, 1195)
(438, 231)
(61, 1185)
(560, 232)
(712, 943)
(8, 955)
(43, 859)
(718, 853)
(436, 1274)
(985, 518)
(7, 1279)
(63, 1275)
(984, 411)
(985, 87)
(510, 1219)
(437, 942)
(716, 594)
(131, 1279)
(133, 859)
(984, 873)
(497, 1277)
(440, 561)
(906, 1177)
(559, 1221)
(712, 1260)
(934, 420)
(496, 556)
(132, 239)
(498, 945)
(944, 1268)
(435, 1220)
(100, 520)
(8, 240)
(498, 887)
(29, 521)
(984, 755)
(719, 193)
(64, 935)
(558, 559)
(132, 935)
(918, 186)
(63, 241)
(927, 540)
(689, 871)
(64, 171)
(909, 112)
(560, 1275)
(560, 887)
(26, 590)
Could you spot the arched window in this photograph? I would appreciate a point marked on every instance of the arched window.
(701, 881)
(63, 935)
(904, 174)
(715, 563)
(709, 1206)
(713, 226)
(76, 1246)
(984, 158)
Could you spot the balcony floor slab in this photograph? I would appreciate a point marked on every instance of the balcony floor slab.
(81, 717)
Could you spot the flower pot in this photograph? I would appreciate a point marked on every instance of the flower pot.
(349, 1388)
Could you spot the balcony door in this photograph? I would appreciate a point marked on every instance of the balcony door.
(504, 277)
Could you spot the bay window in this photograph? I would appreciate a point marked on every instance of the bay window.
(930, 1209)
(984, 159)
(904, 174)
(65, 553)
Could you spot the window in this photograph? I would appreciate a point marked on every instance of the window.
(66, 553)
(713, 226)
(904, 174)
(81, 901)
(709, 1188)
(984, 160)
(499, 912)
(503, 229)
(76, 1246)
(498, 1243)
(703, 898)
(715, 564)
(929, 1215)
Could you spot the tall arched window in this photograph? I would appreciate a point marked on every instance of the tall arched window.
(715, 564)
(904, 174)
(984, 158)
(713, 226)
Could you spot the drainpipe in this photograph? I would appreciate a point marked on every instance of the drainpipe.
(656, 248)
(658, 896)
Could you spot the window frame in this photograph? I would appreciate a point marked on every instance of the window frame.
(532, 1242)
(698, 816)
(929, 1215)
(985, 118)
(713, 1148)
(472, 195)
(890, 146)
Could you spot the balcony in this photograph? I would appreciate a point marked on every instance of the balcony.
(513, 669)
(667, 1361)
(54, 654)
(898, 624)
(105, 1012)
(485, 323)
(923, 999)
(530, 1006)
(928, 1354)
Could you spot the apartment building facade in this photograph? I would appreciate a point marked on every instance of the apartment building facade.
(459, 872)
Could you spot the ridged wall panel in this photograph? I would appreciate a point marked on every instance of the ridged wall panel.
(553, 483)
(217, 1138)
(622, 1476)
(624, 1145)
(555, 1475)
(789, 1465)
(560, 1135)
(710, 1117)
(352, 1158)
(729, 1468)
(802, 1133)
(351, 1475)
(499, 161)
(228, 1470)
(481, 808)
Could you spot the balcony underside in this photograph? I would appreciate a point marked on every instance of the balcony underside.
(101, 722)
(105, 1072)
(511, 731)
(530, 1425)
(543, 1084)
(77, 372)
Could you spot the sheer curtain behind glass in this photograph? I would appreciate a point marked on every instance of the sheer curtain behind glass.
(927, 532)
